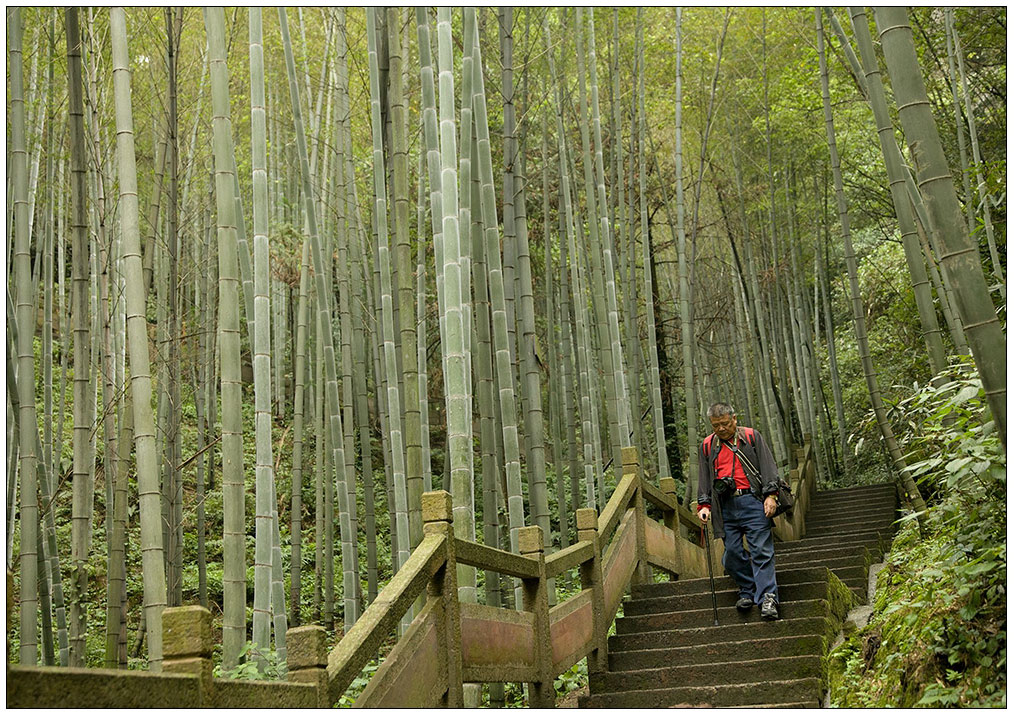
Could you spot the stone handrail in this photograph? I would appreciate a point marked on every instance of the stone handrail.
(448, 642)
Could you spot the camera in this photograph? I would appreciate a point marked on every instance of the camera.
(724, 486)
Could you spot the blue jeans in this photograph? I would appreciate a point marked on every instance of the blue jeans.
(753, 570)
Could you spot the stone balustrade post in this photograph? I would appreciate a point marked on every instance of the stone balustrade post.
(438, 519)
(306, 658)
(187, 646)
(531, 543)
(672, 518)
(587, 521)
(632, 466)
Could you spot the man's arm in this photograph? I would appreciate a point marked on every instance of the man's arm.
(704, 481)
(768, 468)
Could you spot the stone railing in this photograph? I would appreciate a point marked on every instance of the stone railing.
(803, 481)
(448, 643)
(186, 680)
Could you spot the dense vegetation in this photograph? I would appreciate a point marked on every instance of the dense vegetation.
(938, 634)
(375, 252)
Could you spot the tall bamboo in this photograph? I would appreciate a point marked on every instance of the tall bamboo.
(858, 314)
(82, 486)
(686, 308)
(394, 415)
(654, 386)
(261, 344)
(902, 206)
(596, 254)
(26, 360)
(402, 257)
(137, 337)
(233, 494)
(512, 455)
(960, 260)
(350, 576)
(980, 181)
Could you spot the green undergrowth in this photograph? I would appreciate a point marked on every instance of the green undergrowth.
(938, 633)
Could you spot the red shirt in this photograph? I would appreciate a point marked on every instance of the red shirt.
(728, 464)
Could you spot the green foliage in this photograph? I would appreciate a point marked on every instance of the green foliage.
(938, 634)
(572, 679)
(254, 665)
(358, 685)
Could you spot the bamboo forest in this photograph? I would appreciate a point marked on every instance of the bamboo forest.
(366, 356)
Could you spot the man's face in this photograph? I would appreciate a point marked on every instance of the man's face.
(724, 426)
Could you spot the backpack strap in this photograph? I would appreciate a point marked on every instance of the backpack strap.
(708, 444)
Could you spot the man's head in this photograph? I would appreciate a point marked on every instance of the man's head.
(723, 420)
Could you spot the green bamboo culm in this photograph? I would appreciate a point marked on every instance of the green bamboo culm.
(654, 385)
(457, 357)
(600, 326)
(350, 570)
(403, 546)
(233, 493)
(137, 343)
(618, 377)
(932, 335)
(568, 251)
(401, 257)
(266, 506)
(960, 260)
(980, 181)
(27, 422)
(858, 313)
(508, 409)
(81, 513)
(686, 307)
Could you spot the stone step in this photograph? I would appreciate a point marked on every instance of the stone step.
(855, 519)
(726, 615)
(725, 598)
(836, 508)
(767, 691)
(844, 493)
(709, 674)
(818, 555)
(854, 522)
(726, 632)
(708, 651)
(831, 560)
(722, 582)
(885, 529)
(807, 543)
(855, 503)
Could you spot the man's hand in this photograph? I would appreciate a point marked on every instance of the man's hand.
(704, 514)
(770, 505)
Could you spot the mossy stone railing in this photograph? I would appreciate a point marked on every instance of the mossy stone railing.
(448, 643)
(186, 680)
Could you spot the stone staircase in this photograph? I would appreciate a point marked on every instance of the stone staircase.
(668, 653)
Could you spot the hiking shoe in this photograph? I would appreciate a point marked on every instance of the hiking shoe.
(744, 604)
(769, 607)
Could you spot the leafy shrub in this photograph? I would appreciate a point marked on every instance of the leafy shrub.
(938, 635)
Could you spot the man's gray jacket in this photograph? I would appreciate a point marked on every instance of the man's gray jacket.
(758, 455)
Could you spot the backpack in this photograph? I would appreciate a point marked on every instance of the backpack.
(786, 502)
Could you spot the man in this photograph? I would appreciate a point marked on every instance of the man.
(738, 480)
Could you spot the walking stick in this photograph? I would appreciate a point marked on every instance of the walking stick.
(711, 573)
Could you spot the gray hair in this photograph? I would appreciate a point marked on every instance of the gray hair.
(718, 410)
